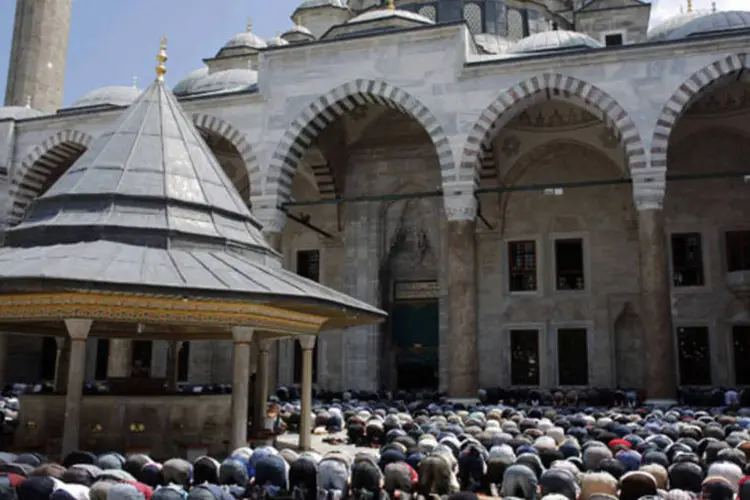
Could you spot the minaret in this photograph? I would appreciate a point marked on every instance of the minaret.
(38, 54)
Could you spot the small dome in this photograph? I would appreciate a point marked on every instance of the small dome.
(246, 40)
(230, 80)
(108, 96)
(716, 22)
(553, 40)
(379, 14)
(492, 44)
(18, 113)
(314, 4)
(185, 86)
(277, 41)
(298, 31)
(662, 30)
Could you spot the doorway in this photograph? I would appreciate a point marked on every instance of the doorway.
(414, 334)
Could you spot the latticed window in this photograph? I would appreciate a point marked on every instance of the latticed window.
(522, 266)
(428, 11)
(515, 24)
(473, 17)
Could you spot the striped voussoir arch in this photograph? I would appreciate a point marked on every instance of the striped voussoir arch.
(43, 160)
(549, 86)
(332, 105)
(687, 93)
(214, 125)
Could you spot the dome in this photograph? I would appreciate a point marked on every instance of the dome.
(712, 23)
(108, 96)
(662, 30)
(230, 80)
(380, 14)
(277, 41)
(245, 40)
(185, 86)
(18, 113)
(298, 30)
(492, 44)
(314, 4)
(553, 40)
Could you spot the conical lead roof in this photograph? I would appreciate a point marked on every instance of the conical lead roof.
(151, 180)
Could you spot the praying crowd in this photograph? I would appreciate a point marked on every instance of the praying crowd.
(413, 449)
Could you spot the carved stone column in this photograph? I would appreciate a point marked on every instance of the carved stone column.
(463, 365)
(78, 330)
(62, 360)
(307, 342)
(263, 346)
(120, 360)
(656, 308)
(240, 385)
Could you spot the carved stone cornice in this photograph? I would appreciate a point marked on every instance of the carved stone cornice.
(459, 201)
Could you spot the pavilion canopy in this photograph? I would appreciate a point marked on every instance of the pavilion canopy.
(146, 225)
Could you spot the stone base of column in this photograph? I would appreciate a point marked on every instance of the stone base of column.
(661, 403)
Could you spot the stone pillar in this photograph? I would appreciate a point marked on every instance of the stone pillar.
(173, 364)
(656, 302)
(61, 363)
(240, 385)
(307, 342)
(120, 362)
(463, 360)
(262, 374)
(3, 358)
(78, 330)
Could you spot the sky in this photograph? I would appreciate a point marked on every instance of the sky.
(113, 41)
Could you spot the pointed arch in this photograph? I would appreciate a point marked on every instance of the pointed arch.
(231, 134)
(685, 95)
(330, 106)
(550, 86)
(42, 162)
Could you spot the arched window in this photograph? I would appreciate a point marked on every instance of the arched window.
(428, 11)
(473, 17)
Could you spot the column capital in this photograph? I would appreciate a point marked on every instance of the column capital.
(649, 187)
(78, 329)
(459, 201)
(242, 335)
(60, 341)
(265, 209)
(307, 342)
(264, 345)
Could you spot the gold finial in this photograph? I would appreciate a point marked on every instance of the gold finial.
(690, 6)
(28, 101)
(390, 5)
(249, 25)
(161, 69)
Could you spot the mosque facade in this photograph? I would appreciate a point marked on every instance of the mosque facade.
(538, 193)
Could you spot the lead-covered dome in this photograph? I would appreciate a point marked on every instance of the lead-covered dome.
(716, 22)
(229, 80)
(185, 86)
(662, 30)
(246, 40)
(18, 113)
(115, 95)
(314, 4)
(381, 14)
(553, 40)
